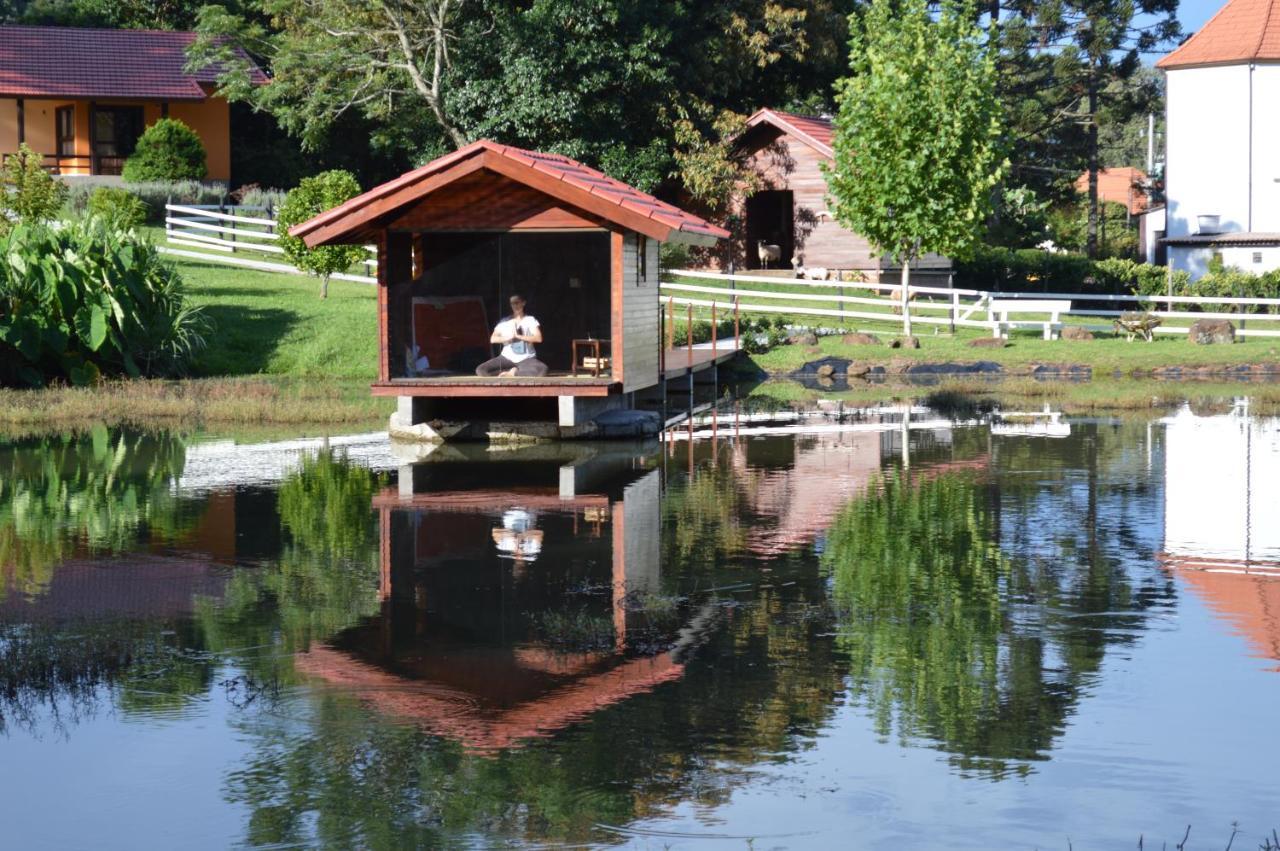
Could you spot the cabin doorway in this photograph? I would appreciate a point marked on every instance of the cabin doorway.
(771, 222)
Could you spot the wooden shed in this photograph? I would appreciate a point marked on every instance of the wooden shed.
(791, 211)
(458, 236)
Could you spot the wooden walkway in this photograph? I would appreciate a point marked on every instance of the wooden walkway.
(681, 360)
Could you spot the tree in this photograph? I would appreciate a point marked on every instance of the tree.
(311, 197)
(27, 192)
(1088, 71)
(917, 135)
(332, 57)
(167, 150)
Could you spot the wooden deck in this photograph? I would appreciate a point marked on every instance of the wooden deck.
(679, 362)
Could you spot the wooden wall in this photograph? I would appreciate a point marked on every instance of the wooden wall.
(785, 163)
(640, 312)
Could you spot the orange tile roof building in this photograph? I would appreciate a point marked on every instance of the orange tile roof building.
(1126, 186)
(81, 97)
(1222, 173)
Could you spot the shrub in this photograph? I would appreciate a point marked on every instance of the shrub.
(167, 150)
(154, 194)
(117, 207)
(311, 197)
(28, 193)
(87, 299)
(253, 195)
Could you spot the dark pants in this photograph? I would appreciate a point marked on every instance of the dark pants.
(528, 366)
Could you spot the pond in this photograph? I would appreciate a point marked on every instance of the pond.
(879, 626)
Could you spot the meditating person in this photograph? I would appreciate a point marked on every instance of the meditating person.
(517, 334)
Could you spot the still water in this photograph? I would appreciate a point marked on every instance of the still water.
(878, 628)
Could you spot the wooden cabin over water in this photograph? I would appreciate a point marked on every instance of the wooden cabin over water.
(458, 236)
(788, 224)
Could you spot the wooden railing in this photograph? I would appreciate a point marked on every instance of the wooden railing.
(947, 306)
(219, 230)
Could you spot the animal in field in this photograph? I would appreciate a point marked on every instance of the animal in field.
(768, 253)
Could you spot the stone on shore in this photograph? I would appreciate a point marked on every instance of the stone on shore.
(803, 338)
(904, 343)
(826, 371)
(857, 369)
(859, 339)
(1206, 332)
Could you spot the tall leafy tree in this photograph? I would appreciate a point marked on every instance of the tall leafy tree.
(917, 135)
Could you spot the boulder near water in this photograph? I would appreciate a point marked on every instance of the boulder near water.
(1208, 331)
(1075, 332)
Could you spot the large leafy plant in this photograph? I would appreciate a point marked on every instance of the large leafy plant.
(27, 192)
(87, 299)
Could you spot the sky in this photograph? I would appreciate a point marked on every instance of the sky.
(1193, 13)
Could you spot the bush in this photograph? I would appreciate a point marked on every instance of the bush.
(167, 150)
(88, 299)
(311, 197)
(153, 194)
(253, 195)
(28, 193)
(117, 207)
(1025, 270)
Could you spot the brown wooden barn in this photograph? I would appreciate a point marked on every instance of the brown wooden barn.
(792, 213)
(458, 236)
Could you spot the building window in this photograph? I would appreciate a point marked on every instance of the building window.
(115, 133)
(642, 258)
(1257, 257)
(65, 118)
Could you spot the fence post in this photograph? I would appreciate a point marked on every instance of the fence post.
(689, 335)
(715, 332)
(671, 322)
(168, 228)
(955, 300)
(222, 208)
(737, 328)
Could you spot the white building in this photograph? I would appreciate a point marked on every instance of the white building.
(1222, 175)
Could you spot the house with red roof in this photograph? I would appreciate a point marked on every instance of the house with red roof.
(785, 220)
(1222, 173)
(459, 236)
(82, 97)
(1127, 186)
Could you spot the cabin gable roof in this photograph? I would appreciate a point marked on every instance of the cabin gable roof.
(575, 185)
(814, 131)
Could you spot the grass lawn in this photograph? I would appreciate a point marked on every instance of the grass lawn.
(266, 323)
(1106, 355)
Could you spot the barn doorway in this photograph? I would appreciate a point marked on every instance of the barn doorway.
(771, 221)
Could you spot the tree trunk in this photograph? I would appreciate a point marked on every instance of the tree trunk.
(1091, 236)
(906, 297)
(324, 286)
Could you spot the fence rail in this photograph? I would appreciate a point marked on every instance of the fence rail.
(220, 230)
(960, 308)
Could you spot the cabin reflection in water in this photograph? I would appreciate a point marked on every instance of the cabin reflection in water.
(517, 594)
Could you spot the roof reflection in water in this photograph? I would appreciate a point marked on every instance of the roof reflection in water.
(475, 641)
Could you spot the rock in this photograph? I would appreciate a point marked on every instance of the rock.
(628, 423)
(803, 338)
(904, 343)
(898, 366)
(860, 339)
(857, 368)
(826, 381)
(826, 371)
(989, 343)
(1208, 331)
(982, 367)
(828, 367)
(1075, 332)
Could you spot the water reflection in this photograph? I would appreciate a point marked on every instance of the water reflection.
(595, 643)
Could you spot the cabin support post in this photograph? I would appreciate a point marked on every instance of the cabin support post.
(22, 121)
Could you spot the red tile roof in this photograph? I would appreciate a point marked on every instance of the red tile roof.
(814, 131)
(1241, 31)
(575, 184)
(67, 62)
(1120, 186)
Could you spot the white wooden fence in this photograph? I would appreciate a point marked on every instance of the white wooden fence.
(947, 306)
(229, 236)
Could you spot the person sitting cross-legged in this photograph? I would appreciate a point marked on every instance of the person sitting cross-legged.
(518, 333)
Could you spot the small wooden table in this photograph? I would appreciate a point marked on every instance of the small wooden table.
(595, 361)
